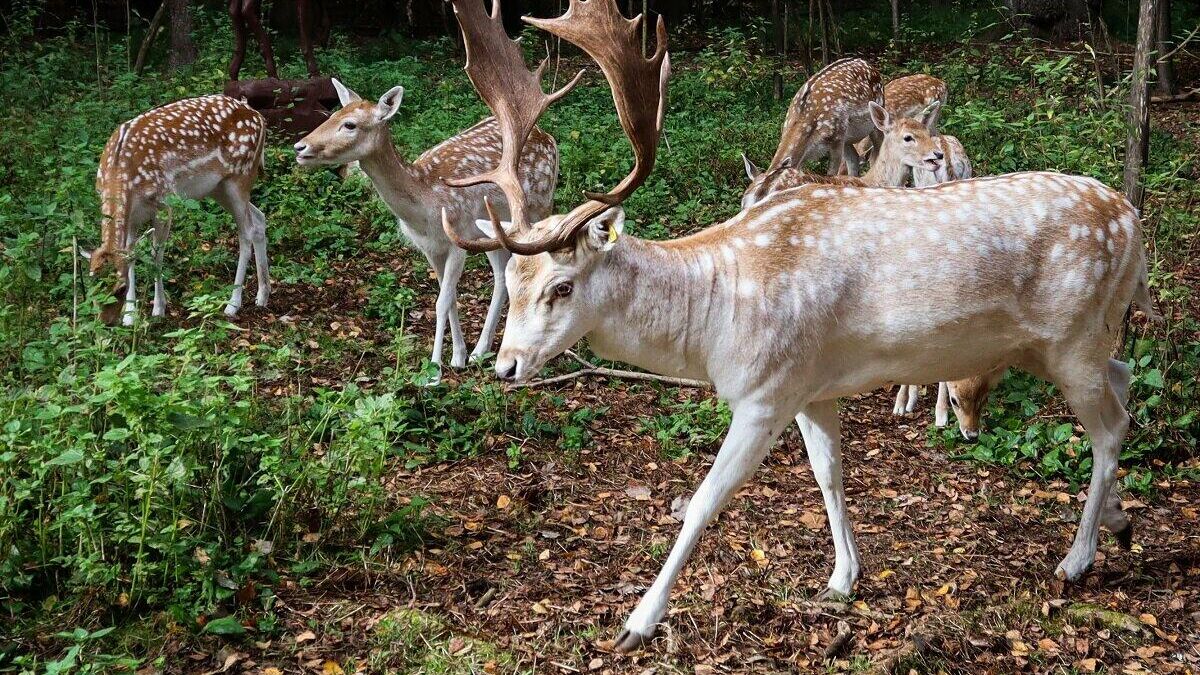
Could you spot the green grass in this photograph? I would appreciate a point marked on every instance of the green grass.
(146, 474)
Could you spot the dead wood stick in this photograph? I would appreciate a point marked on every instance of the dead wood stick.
(592, 369)
(839, 641)
(916, 644)
(1176, 98)
(155, 24)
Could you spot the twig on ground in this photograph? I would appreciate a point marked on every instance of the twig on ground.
(1177, 98)
(592, 369)
(839, 641)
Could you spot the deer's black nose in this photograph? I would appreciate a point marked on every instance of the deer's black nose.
(509, 373)
(938, 155)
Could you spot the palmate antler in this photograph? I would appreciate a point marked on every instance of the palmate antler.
(639, 89)
(497, 69)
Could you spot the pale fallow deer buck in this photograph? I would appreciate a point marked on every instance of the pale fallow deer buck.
(210, 146)
(822, 292)
(418, 193)
(828, 115)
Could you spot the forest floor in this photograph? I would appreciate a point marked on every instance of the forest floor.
(523, 548)
(533, 565)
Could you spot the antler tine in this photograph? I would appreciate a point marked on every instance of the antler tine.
(496, 67)
(639, 90)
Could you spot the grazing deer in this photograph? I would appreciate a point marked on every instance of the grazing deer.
(957, 165)
(970, 395)
(417, 193)
(800, 300)
(906, 146)
(828, 115)
(211, 146)
(909, 96)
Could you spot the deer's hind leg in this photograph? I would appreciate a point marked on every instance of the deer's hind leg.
(1094, 388)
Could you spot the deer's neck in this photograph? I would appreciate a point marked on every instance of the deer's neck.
(406, 192)
(886, 171)
(662, 304)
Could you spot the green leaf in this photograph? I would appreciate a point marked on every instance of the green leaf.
(226, 625)
(117, 434)
(69, 457)
(1153, 378)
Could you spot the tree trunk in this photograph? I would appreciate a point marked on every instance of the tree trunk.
(1165, 86)
(896, 20)
(183, 50)
(155, 25)
(777, 39)
(1137, 143)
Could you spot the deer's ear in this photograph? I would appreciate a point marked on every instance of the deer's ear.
(604, 230)
(485, 226)
(880, 117)
(85, 254)
(929, 114)
(389, 103)
(345, 95)
(752, 171)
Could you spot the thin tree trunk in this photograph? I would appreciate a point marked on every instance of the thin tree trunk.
(1139, 113)
(1165, 86)
(824, 33)
(151, 33)
(777, 22)
(896, 20)
(183, 49)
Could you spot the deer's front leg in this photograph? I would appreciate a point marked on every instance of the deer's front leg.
(941, 413)
(447, 305)
(242, 216)
(162, 232)
(822, 431)
(754, 429)
(850, 156)
(262, 265)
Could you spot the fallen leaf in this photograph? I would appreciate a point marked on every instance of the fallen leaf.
(759, 556)
(639, 492)
(332, 668)
(884, 575)
(503, 501)
(1148, 619)
(306, 636)
(813, 520)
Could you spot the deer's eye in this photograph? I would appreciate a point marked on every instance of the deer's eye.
(349, 126)
(563, 289)
(908, 138)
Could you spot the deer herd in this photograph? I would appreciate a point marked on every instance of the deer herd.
(823, 286)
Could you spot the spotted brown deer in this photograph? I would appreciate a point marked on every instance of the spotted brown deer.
(906, 146)
(211, 146)
(828, 115)
(418, 193)
(910, 96)
(794, 303)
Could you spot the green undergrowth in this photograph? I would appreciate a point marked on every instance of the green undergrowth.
(164, 478)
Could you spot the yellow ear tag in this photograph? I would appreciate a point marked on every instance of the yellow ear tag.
(612, 235)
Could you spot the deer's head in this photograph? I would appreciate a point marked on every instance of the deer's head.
(969, 399)
(353, 131)
(906, 140)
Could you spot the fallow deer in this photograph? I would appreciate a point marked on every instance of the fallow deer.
(799, 301)
(419, 192)
(908, 96)
(210, 146)
(906, 146)
(828, 115)
(968, 396)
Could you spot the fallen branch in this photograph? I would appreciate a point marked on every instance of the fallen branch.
(839, 641)
(1176, 98)
(590, 368)
(916, 644)
(155, 24)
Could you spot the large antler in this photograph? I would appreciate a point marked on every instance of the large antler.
(497, 68)
(639, 90)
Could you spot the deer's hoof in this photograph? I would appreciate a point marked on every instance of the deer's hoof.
(629, 641)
